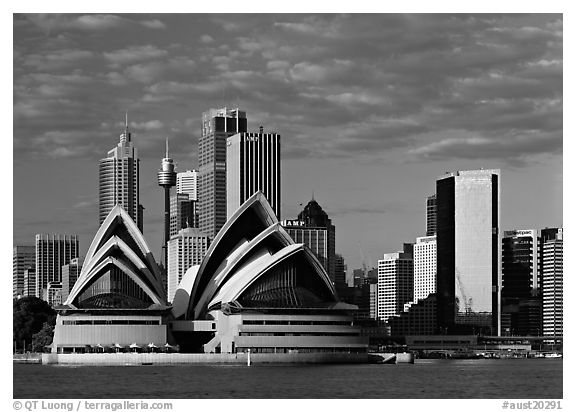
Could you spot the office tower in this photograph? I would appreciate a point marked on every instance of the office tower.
(182, 213)
(424, 267)
(166, 179)
(395, 282)
(521, 305)
(469, 255)
(53, 294)
(431, 215)
(185, 250)
(253, 164)
(552, 284)
(29, 282)
(52, 252)
(70, 273)
(119, 179)
(187, 182)
(314, 229)
(339, 271)
(217, 126)
(23, 257)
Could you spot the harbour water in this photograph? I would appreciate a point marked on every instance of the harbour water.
(427, 378)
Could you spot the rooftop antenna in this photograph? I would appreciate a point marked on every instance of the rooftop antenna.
(312, 194)
(167, 148)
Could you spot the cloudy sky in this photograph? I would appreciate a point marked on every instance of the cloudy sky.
(371, 109)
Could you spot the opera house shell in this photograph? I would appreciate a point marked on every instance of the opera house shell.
(118, 299)
(256, 289)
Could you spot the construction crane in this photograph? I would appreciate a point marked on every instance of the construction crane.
(467, 301)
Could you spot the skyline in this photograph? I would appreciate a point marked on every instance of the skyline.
(370, 115)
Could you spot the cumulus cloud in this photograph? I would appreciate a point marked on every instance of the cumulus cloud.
(134, 54)
(153, 24)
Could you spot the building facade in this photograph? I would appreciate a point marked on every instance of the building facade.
(183, 213)
(395, 283)
(53, 252)
(23, 257)
(70, 273)
(431, 215)
(553, 285)
(253, 164)
(217, 126)
(521, 300)
(469, 258)
(119, 179)
(185, 249)
(314, 229)
(29, 282)
(187, 182)
(424, 267)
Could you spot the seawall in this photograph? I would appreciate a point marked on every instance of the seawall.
(107, 359)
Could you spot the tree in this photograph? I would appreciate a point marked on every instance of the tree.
(29, 315)
(43, 338)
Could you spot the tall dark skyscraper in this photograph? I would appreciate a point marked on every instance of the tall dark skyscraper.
(217, 126)
(253, 164)
(521, 304)
(469, 252)
(431, 215)
(315, 230)
(119, 179)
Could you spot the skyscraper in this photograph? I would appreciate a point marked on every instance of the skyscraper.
(119, 179)
(187, 182)
(431, 215)
(52, 252)
(553, 284)
(253, 164)
(182, 213)
(424, 267)
(395, 283)
(70, 273)
(468, 251)
(521, 303)
(23, 257)
(217, 126)
(314, 229)
(185, 250)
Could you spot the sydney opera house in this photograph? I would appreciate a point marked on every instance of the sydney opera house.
(255, 290)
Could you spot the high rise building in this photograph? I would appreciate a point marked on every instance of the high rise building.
(424, 267)
(552, 284)
(119, 179)
(521, 303)
(253, 164)
(53, 294)
(70, 273)
(395, 283)
(23, 257)
(417, 319)
(29, 282)
(469, 255)
(340, 269)
(182, 213)
(52, 252)
(185, 250)
(187, 182)
(314, 229)
(217, 126)
(431, 215)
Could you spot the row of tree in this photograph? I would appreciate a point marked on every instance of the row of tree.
(33, 324)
